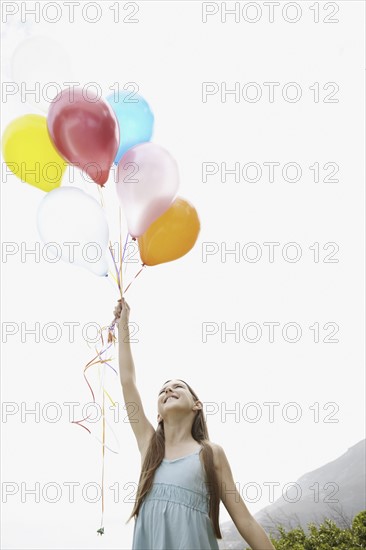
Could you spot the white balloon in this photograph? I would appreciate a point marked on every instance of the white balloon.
(40, 64)
(77, 226)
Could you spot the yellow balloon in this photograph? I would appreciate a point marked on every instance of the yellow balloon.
(172, 235)
(30, 154)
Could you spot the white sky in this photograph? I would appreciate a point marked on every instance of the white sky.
(169, 52)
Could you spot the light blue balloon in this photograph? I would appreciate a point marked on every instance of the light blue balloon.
(135, 120)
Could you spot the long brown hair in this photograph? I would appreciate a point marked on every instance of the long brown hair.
(155, 454)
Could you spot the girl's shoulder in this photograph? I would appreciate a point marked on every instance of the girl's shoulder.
(218, 453)
(216, 448)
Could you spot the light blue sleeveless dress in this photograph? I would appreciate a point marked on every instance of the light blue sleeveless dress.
(174, 513)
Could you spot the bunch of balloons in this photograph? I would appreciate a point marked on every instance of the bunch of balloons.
(94, 135)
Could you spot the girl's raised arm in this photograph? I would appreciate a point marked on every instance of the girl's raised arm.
(140, 425)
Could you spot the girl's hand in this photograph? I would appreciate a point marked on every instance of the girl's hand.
(122, 312)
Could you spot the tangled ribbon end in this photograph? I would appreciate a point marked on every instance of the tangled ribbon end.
(100, 531)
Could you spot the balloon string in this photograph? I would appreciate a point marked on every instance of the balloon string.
(122, 255)
(98, 359)
(119, 273)
(137, 274)
(115, 437)
(107, 394)
(101, 195)
(120, 240)
(111, 340)
(124, 249)
(91, 363)
(113, 277)
(111, 336)
(105, 418)
(103, 460)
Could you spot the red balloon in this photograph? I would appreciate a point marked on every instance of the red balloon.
(85, 132)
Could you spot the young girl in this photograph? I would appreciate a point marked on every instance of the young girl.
(184, 475)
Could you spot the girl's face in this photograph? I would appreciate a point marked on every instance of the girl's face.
(175, 394)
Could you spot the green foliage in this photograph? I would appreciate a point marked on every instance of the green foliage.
(326, 536)
(359, 528)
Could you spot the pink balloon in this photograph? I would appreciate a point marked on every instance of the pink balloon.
(147, 183)
(85, 132)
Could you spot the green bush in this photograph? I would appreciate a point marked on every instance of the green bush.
(326, 536)
(359, 529)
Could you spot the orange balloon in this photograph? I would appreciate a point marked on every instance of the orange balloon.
(172, 235)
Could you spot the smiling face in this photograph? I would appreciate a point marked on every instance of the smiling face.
(175, 394)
